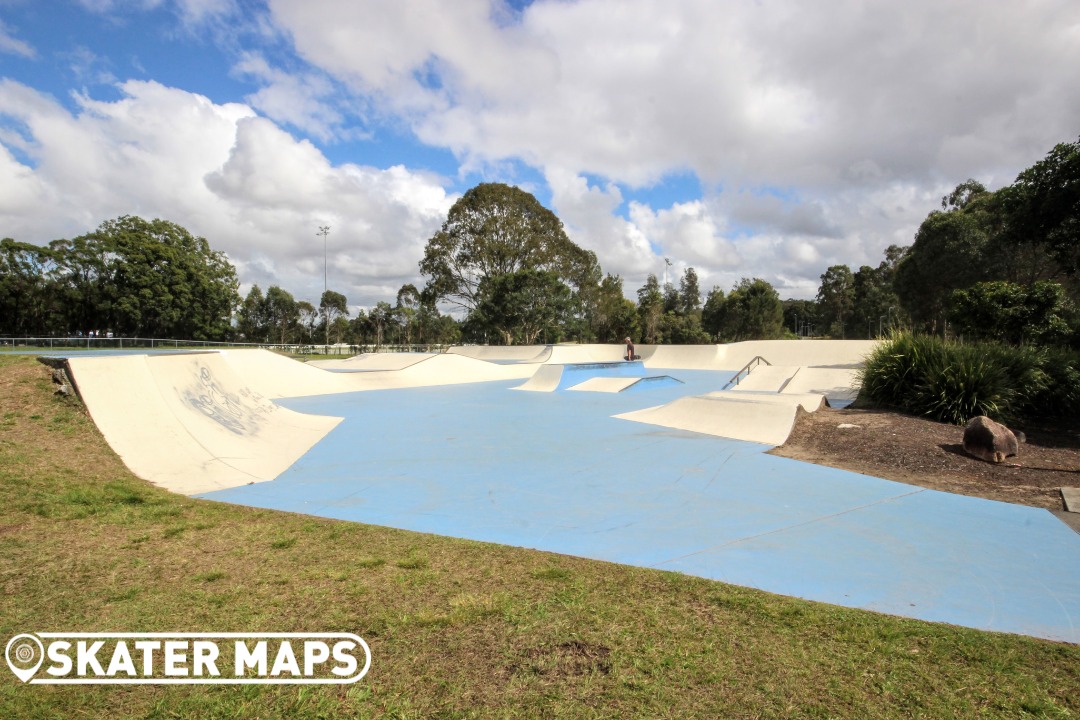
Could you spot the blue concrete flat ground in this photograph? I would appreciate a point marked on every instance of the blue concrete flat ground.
(554, 471)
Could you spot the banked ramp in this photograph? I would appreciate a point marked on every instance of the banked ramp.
(189, 423)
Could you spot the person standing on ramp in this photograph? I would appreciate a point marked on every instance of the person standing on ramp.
(630, 349)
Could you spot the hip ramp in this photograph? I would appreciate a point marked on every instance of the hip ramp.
(765, 418)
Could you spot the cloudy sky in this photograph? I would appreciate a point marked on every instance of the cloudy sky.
(745, 138)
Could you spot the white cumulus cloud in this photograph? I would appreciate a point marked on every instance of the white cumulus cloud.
(223, 172)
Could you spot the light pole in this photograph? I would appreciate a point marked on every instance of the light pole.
(324, 230)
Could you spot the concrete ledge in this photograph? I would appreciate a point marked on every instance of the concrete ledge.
(1071, 497)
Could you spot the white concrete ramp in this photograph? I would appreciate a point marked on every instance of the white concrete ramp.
(550, 377)
(503, 353)
(683, 357)
(839, 385)
(575, 354)
(444, 369)
(545, 379)
(198, 422)
(277, 376)
(189, 424)
(623, 384)
(766, 418)
(801, 353)
(767, 378)
(366, 362)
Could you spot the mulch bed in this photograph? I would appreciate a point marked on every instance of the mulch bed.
(930, 454)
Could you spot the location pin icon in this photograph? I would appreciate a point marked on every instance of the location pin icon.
(24, 655)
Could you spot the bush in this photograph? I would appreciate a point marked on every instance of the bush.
(1061, 397)
(953, 382)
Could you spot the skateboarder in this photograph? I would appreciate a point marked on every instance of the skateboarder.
(629, 349)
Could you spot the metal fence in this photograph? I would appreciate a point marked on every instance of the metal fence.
(137, 343)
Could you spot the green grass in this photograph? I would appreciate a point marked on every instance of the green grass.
(457, 629)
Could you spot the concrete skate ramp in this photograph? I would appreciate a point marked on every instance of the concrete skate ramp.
(189, 424)
(768, 378)
(625, 384)
(447, 369)
(509, 353)
(552, 378)
(683, 357)
(839, 385)
(805, 353)
(276, 376)
(371, 361)
(576, 354)
(733, 356)
(766, 418)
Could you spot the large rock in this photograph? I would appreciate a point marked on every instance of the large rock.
(990, 441)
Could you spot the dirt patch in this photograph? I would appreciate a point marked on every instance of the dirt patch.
(930, 454)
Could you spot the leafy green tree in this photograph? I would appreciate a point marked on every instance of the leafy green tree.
(752, 311)
(800, 317)
(151, 278)
(689, 292)
(360, 328)
(680, 329)
(27, 291)
(332, 306)
(525, 305)
(671, 298)
(251, 322)
(1011, 313)
(431, 326)
(876, 305)
(495, 230)
(650, 310)
(448, 330)
(82, 282)
(584, 280)
(340, 329)
(309, 318)
(1043, 206)
(281, 313)
(614, 317)
(381, 318)
(712, 315)
(407, 309)
(836, 299)
(951, 251)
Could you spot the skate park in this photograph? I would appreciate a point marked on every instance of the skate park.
(658, 463)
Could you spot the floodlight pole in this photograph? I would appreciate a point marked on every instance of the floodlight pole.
(324, 230)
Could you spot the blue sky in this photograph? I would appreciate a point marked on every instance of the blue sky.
(767, 139)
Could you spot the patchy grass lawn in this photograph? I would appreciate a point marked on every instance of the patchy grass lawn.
(457, 629)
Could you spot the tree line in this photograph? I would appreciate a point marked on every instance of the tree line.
(989, 264)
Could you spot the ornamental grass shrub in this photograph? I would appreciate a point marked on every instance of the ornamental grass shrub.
(952, 381)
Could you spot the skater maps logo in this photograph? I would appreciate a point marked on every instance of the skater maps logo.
(188, 658)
